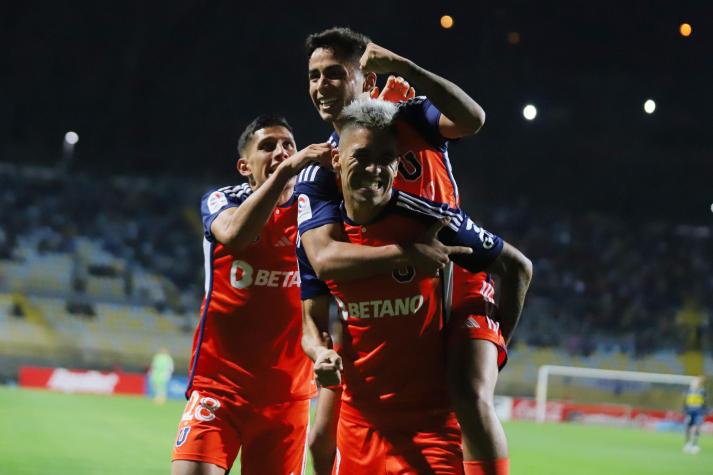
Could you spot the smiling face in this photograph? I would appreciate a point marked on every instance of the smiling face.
(334, 82)
(367, 164)
(266, 149)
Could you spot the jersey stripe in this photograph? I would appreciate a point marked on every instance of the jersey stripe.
(208, 256)
(410, 202)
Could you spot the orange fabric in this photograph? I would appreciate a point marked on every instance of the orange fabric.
(254, 296)
(487, 467)
(463, 325)
(214, 428)
(414, 444)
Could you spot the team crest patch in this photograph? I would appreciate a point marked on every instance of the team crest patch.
(304, 209)
(182, 435)
(216, 200)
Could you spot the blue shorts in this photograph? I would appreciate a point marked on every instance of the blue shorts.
(694, 418)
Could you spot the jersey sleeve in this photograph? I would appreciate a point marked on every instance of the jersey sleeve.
(310, 285)
(421, 114)
(215, 202)
(318, 198)
(462, 231)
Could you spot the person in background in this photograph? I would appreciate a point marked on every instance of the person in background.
(160, 374)
(695, 411)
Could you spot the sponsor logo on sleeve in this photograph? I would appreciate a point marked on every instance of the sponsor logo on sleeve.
(304, 209)
(216, 200)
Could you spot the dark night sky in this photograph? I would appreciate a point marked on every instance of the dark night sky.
(165, 87)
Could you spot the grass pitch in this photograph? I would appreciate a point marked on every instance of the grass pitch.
(57, 434)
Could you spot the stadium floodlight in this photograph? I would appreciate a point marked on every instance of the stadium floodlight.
(446, 22)
(71, 137)
(529, 112)
(545, 371)
(649, 106)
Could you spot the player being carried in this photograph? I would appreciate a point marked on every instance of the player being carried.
(250, 384)
(342, 67)
(396, 416)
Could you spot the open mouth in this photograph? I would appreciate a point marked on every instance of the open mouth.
(370, 184)
(327, 103)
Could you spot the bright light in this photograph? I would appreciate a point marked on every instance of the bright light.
(529, 112)
(649, 106)
(71, 137)
(446, 21)
(711, 207)
(685, 29)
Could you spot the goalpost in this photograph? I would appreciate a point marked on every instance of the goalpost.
(545, 371)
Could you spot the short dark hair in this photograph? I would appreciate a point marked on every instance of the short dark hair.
(345, 42)
(260, 122)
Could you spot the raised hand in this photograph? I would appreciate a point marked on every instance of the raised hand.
(396, 89)
(379, 60)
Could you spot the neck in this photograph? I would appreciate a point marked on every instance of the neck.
(337, 127)
(363, 213)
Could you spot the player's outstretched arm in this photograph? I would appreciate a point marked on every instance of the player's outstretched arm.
(237, 227)
(333, 259)
(515, 272)
(461, 115)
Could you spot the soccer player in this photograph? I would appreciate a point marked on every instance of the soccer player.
(395, 415)
(160, 374)
(342, 67)
(695, 411)
(250, 383)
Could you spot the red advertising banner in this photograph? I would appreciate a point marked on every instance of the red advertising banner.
(82, 381)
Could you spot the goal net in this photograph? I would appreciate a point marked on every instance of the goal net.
(571, 393)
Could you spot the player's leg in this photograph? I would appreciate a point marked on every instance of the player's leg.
(361, 449)
(188, 467)
(323, 433)
(473, 364)
(428, 444)
(207, 441)
(275, 439)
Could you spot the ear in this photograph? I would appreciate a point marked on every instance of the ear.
(243, 167)
(369, 82)
(335, 159)
(395, 165)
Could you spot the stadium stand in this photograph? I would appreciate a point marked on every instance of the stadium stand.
(105, 270)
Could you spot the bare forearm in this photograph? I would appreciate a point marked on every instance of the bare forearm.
(342, 261)
(239, 228)
(450, 99)
(515, 273)
(512, 300)
(315, 318)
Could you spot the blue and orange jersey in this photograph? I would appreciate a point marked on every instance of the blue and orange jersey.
(424, 171)
(392, 347)
(248, 338)
(424, 167)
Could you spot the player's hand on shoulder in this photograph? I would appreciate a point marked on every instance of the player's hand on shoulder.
(377, 59)
(328, 367)
(396, 89)
(431, 255)
(316, 152)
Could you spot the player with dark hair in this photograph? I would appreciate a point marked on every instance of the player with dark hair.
(338, 74)
(245, 396)
(695, 411)
(395, 416)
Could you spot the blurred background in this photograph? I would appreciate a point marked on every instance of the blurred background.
(595, 160)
